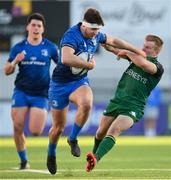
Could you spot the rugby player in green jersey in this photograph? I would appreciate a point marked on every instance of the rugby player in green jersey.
(127, 105)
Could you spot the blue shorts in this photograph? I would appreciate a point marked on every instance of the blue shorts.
(21, 99)
(59, 92)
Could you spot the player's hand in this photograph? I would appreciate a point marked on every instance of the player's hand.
(19, 57)
(144, 54)
(122, 54)
(91, 64)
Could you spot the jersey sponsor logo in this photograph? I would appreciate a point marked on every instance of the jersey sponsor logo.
(136, 76)
(33, 58)
(44, 52)
(33, 63)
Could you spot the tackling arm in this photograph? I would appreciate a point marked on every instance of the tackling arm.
(139, 60)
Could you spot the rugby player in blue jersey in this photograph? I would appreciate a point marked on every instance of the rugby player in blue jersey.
(67, 86)
(33, 56)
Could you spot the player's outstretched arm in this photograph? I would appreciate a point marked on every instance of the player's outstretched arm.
(110, 48)
(121, 44)
(113, 50)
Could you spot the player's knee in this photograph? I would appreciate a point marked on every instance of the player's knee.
(100, 134)
(34, 133)
(58, 130)
(86, 107)
(115, 131)
(18, 128)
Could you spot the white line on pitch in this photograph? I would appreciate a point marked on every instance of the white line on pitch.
(42, 171)
(112, 170)
(45, 171)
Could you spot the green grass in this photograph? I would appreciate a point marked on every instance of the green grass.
(131, 158)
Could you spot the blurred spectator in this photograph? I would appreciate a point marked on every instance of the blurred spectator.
(151, 113)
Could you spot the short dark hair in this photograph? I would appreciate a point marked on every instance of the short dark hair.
(93, 16)
(157, 40)
(36, 16)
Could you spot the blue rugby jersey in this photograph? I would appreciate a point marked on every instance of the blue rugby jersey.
(155, 97)
(75, 39)
(34, 76)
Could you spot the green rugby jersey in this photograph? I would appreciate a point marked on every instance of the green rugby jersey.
(136, 85)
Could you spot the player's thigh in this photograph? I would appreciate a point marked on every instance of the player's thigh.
(38, 117)
(120, 124)
(59, 95)
(82, 95)
(18, 115)
(38, 113)
(19, 99)
(59, 117)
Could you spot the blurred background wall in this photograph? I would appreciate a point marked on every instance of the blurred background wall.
(131, 20)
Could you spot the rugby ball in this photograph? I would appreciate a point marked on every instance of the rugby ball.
(85, 56)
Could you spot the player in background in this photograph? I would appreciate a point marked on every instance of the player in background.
(33, 56)
(127, 106)
(66, 86)
(151, 112)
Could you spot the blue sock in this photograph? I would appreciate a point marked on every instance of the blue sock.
(23, 155)
(75, 131)
(52, 149)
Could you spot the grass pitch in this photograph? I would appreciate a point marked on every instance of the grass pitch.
(131, 158)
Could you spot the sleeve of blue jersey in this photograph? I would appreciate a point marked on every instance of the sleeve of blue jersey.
(13, 52)
(69, 39)
(102, 38)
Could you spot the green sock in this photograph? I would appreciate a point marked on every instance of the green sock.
(96, 144)
(105, 146)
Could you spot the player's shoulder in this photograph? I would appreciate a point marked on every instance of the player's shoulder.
(160, 66)
(74, 30)
(160, 69)
(49, 43)
(102, 36)
(20, 44)
(157, 63)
